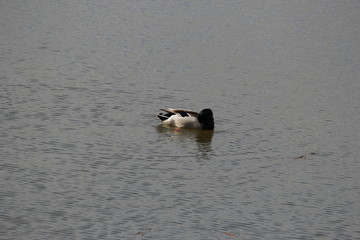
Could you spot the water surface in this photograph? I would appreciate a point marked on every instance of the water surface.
(83, 155)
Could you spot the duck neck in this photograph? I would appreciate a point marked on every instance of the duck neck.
(208, 125)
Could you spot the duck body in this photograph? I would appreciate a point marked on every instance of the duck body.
(181, 118)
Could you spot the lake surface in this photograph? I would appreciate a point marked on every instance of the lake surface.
(82, 155)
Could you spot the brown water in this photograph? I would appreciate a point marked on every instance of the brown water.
(83, 155)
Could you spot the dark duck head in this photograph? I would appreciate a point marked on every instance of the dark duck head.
(206, 119)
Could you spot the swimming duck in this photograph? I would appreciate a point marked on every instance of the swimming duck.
(182, 118)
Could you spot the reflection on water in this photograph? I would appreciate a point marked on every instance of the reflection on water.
(202, 138)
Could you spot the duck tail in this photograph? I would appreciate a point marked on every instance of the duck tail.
(163, 116)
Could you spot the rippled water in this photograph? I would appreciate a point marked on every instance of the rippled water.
(83, 155)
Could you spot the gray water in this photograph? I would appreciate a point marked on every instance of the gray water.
(83, 155)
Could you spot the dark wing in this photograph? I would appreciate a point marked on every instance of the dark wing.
(182, 112)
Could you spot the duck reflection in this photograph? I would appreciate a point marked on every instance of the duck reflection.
(202, 138)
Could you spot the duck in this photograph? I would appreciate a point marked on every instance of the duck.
(188, 119)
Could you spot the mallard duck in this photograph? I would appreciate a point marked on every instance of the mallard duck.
(181, 118)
